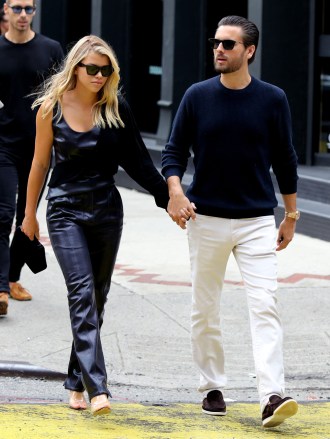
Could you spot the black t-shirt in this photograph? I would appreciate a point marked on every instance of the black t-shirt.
(23, 67)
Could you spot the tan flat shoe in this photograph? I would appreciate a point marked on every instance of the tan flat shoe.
(3, 303)
(18, 292)
(77, 400)
(100, 405)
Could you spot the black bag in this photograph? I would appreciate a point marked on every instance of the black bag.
(33, 252)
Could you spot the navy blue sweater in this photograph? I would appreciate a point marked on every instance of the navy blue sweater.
(236, 137)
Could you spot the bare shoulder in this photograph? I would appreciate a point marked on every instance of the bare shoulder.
(45, 111)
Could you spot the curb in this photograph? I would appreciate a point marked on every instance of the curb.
(22, 368)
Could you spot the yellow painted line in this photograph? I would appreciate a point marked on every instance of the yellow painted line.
(177, 421)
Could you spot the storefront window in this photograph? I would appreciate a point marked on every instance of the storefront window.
(325, 107)
(325, 17)
(324, 144)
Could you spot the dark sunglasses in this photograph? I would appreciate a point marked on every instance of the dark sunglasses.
(93, 70)
(226, 44)
(18, 9)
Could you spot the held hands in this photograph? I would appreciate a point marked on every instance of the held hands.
(180, 209)
(285, 233)
(30, 227)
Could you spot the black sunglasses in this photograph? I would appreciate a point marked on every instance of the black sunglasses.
(226, 44)
(93, 70)
(18, 9)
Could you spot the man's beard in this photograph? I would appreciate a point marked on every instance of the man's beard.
(233, 67)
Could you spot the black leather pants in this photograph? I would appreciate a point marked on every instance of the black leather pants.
(85, 231)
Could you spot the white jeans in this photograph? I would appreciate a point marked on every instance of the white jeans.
(252, 241)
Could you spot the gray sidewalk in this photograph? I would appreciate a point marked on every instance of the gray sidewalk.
(146, 328)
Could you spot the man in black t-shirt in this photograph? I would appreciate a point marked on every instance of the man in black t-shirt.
(26, 58)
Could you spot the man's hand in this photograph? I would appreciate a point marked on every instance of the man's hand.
(179, 208)
(285, 233)
(288, 225)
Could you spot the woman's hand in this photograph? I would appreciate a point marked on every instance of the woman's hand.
(30, 227)
(180, 209)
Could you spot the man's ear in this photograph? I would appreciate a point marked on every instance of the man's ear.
(251, 50)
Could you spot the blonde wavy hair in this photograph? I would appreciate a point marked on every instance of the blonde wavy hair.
(105, 110)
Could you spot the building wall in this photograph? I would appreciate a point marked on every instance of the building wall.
(162, 49)
(288, 53)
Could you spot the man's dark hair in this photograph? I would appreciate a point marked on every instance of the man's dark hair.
(250, 31)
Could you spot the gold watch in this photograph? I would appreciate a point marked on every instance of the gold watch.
(294, 215)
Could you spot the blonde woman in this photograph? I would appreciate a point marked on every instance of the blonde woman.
(83, 116)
